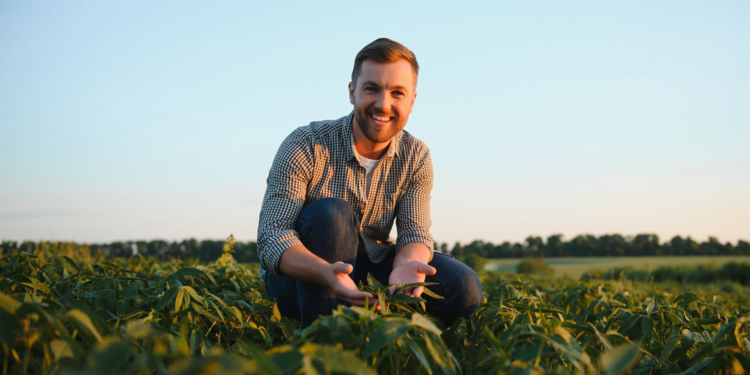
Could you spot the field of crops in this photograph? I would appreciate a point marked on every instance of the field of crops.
(65, 313)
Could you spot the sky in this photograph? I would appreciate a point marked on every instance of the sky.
(146, 120)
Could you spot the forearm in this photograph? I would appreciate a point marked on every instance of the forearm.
(410, 252)
(299, 263)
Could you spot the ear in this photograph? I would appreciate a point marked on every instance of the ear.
(413, 99)
(351, 93)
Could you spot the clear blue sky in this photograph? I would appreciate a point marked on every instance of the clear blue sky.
(145, 120)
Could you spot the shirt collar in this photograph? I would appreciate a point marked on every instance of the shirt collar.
(351, 151)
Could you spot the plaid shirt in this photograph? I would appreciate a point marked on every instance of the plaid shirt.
(319, 161)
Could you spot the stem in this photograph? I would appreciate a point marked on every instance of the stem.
(5, 361)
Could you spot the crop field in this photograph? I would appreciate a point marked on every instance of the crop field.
(575, 267)
(64, 312)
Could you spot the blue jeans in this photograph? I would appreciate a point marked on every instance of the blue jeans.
(330, 229)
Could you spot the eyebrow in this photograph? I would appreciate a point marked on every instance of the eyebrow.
(371, 83)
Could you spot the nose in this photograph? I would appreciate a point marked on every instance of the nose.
(384, 101)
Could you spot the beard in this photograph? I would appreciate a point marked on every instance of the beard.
(374, 133)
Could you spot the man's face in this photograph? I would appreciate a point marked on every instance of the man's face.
(383, 98)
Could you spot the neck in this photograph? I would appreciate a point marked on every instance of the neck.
(366, 147)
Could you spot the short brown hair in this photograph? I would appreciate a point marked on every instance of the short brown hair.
(384, 50)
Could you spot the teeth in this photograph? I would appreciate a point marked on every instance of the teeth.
(381, 118)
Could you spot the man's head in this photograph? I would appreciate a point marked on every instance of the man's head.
(383, 89)
(384, 51)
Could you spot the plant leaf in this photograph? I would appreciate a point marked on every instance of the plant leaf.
(623, 358)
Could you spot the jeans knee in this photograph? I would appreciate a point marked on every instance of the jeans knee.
(462, 288)
(329, 228)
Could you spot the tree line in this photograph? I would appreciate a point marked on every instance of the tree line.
(534, 246)
(608, 245)
(205, 250)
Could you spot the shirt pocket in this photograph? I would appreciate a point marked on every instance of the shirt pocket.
(390, 199)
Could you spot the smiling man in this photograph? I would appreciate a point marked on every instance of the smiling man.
(334, 191)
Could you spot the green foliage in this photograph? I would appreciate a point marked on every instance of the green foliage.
(731, 274)
(475, 262)
(530, 266)
(63, 314)
(608, 245)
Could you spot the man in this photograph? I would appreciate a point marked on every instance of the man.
(334, 191)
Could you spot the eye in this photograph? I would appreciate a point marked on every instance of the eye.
(369, 89)
(398, 93)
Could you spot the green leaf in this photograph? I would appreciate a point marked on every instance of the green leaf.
(403, 298)
(265, 363)
(188, 271)
(235, 312)
(387, 333)
(182, 301)
(723, 331)
(674, 318)
(103, 282)
(420, 320)
(432, 294)
(194, 295)
(312, 367)
(439, 353)
(60, 349)
(168, 296)
(417, 352)
(276, 312)
(623, 358)
(672, 341)
(83, 322)
(130, 291)
(647, 326)
(629, 323)
(9, 303)
(69, 264)
(137, 329)
(373, 282)
(337, 360)
(288, 359)
(108, 356)
(653, 306)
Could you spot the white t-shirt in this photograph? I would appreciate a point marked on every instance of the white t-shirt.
(369, 165)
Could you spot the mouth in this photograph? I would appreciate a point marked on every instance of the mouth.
(381, 120)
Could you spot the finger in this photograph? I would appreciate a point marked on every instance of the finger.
(356, 294)
(417, 291)
(407, 291)
(341, 267)
(392, 289)
(361, 302)
(426, 269)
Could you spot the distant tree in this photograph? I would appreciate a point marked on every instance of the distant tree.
(476, 262)
(555, 246)
(532, 266)
(458, 251)
(535, 246)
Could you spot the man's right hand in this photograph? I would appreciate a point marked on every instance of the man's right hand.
(300, 264)
(337, 278)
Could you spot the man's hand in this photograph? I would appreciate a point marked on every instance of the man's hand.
(337, 278)
(410, 273)
(300, 264)
(409, 267)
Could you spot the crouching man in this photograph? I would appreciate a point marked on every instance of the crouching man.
(334, 191)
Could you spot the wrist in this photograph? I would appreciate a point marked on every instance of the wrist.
(412, 252)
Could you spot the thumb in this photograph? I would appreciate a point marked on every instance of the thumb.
(341, 267)
(426, 269)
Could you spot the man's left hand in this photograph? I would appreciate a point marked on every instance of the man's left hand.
(410, 273)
